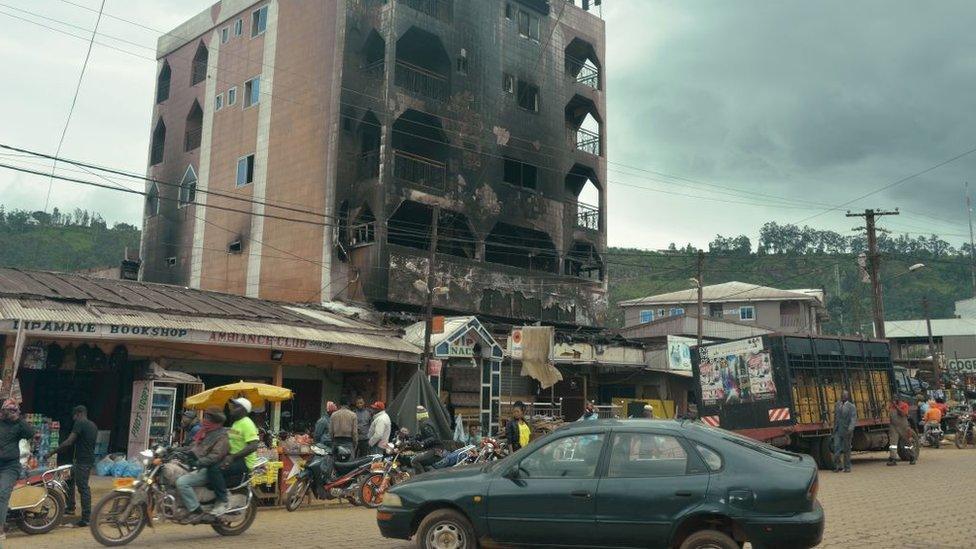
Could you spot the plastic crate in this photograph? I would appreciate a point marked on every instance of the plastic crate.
(270, 475)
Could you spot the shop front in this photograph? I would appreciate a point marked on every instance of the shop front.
(133, 352)
(465, 368)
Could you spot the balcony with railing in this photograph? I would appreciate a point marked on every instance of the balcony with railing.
(438, 9)
(375, 69)
(419, 170)
(368, 165)
(793, 322)
(588, 141)
(421, 81)
(587, 216)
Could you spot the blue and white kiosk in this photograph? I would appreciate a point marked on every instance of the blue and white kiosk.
(471, 363)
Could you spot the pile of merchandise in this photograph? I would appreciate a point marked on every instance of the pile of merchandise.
(49, 439)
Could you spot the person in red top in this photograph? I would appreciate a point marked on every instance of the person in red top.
(899, 431)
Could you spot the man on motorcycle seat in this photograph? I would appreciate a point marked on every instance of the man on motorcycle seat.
(429, 440)
(933, 418)
(209, 448)
(243, 441)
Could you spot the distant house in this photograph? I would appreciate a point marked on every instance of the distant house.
(789, 311)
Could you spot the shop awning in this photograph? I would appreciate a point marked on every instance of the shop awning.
(55, 318)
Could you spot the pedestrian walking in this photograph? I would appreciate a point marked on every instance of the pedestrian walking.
(845, 419)
(900, 431)
(13, 429)
(82, 440)
(517, 430)
(363, 418)
(378, 435)
(322, 434)
(343, 427)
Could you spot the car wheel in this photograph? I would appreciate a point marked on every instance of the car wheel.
(709, 539)
(446, 529)
(824, 452)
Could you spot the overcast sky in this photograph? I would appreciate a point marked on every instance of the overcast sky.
(717, 110)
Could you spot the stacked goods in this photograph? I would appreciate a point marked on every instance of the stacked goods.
(49, 431)
(806, 399)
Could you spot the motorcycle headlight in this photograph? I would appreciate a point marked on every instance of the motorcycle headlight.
(392, 500)
(145, 462)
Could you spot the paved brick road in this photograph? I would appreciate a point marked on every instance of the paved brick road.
(875, 506)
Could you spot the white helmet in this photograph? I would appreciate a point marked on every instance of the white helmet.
(243, 403)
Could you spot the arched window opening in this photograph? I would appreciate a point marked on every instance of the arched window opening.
(198, 70)
(188, 187)
(194, 128)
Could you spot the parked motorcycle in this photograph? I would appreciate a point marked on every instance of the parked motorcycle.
(37, 503)
(329, 477)
(964, 431)
(394, 469)
(120, 517)
(932, 435)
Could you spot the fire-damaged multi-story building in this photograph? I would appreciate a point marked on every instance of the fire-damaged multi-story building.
(301, 151)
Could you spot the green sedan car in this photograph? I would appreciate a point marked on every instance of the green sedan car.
(617, 483)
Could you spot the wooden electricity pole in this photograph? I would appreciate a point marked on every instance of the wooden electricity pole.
(429, 314)
(701, 284)
(874, 265)
(936, 365)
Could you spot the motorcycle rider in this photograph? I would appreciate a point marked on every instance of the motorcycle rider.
(899, 430)
(428, 439)
(210, 446)
(242, 438)
(932, 419)
(13, 429)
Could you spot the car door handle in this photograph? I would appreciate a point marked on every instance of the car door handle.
(583, 494)
(683, 494)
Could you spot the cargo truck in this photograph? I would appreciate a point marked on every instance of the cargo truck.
(782, 389)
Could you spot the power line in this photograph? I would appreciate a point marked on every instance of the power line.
(74, 101)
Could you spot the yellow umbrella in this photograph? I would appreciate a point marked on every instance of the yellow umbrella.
(257, 393)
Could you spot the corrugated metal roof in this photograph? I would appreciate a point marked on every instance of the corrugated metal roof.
(687, 325)
(724, 293)
(51, 311)
(415, 332)
(940, 327)
(66, 297)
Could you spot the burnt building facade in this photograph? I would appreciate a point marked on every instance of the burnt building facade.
(354, 124)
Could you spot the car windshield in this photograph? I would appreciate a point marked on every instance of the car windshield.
(753, 444)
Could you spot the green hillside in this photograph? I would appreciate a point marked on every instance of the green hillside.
(63, 242)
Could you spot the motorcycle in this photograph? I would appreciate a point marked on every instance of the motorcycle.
(965, 431)
(394, 469)
(120, 516)
(932, 435)
(329, 477)
(37, 503)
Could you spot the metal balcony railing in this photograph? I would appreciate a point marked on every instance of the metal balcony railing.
(364, 233)
(374, 69)
(587, 216)
(419, 170)
(421, 81)
(583, 72)
(440, 9)
(588, 141)
(193, 138)
(369, 165)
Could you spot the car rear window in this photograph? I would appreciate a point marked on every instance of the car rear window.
(755, 445)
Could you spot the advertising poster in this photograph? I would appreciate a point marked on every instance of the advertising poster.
(736, 372)
(679, 353)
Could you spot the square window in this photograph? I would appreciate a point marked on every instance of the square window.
(534, 28)
(252, 92)
(747, 313)
(239, 27)
(523, 23)
(245, 170)
(224, 35)
(646, 316)
(508, 83)
(520, 174)
(509, 12)
(232, 96)
(259, 21)
(218, 102)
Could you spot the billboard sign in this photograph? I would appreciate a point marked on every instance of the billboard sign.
(736, 372)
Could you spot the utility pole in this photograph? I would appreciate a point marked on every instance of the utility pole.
(429, 316)
(701, 284)
(936, 370)
(972, 251)
(837, 278)
(874, 265)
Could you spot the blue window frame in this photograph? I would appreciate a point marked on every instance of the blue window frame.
(646, 316)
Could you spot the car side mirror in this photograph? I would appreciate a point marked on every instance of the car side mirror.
(512, 473)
